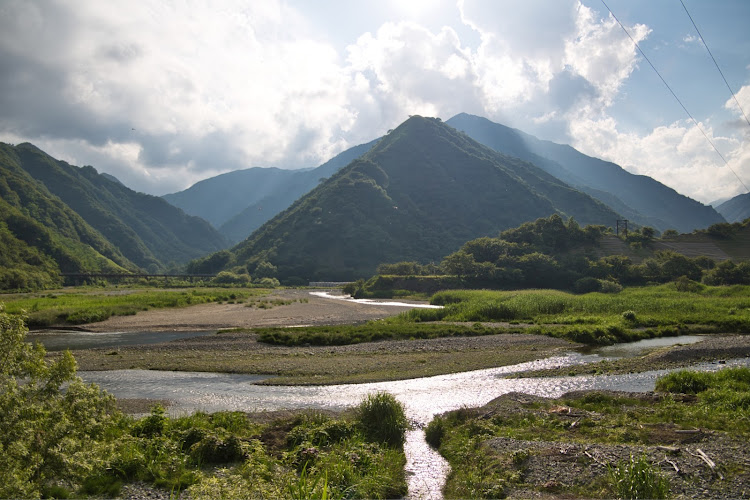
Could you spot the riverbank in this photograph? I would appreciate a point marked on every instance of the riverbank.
(712, 348)
(240, 351)
(588, 444)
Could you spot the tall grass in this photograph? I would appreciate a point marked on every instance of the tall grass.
(87, 307)
(726, 308)
(383, 419)
(637, 478)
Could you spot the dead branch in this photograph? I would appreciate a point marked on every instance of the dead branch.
(700, 454)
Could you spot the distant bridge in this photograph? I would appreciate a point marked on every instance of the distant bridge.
(79, 277)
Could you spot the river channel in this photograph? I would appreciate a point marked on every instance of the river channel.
(423, 398)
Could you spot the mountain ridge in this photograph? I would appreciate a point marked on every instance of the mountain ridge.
(644, 200)
(148, 231)
(418, 194)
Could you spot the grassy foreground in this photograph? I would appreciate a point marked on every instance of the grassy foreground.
(62, 438)
(516, 447)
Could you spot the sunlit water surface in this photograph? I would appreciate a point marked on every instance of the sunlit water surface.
(378, 302)
(423, 398)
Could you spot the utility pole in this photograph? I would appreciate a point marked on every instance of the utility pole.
(622, 223)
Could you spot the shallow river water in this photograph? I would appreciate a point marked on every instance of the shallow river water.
(423, 398)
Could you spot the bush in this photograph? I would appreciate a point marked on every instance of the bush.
(51, 421)
(684, 382)
(637, 478)
(608, 286)
(435, 432)
(382, 419)
(587, 285)
(213, 449)
(229, 278)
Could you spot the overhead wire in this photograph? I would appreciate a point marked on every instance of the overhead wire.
(715, 63)
(675, 96)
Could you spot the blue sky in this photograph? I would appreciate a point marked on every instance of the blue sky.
(162, 94)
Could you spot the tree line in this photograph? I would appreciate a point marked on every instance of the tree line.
(552, 253)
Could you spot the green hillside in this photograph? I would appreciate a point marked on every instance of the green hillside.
(41, 236)
(146, 229)
(736, 209)
(252, 196)
(639, 198)
(419, 194)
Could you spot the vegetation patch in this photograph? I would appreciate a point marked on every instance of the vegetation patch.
(73, 441)
(604, 444)
(82, 306)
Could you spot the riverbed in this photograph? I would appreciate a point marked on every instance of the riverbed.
(423, 398)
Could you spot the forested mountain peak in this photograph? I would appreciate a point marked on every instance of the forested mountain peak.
(418, 194)
(640, 198)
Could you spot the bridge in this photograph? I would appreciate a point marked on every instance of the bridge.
(82, 277)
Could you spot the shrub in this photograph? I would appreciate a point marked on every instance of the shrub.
(587, 285)
(213, 449)
(685, 284)
(637, 478)
(684, 382)
(435, 432)
(230, 278)
(51, 421)
(382, 419)
(629, 316)
(608, 286)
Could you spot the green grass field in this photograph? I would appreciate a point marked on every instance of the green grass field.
(82, 305)
(595, 318)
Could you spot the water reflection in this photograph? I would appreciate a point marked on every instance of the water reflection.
(348, 298)
(423, 398)
(642, 347)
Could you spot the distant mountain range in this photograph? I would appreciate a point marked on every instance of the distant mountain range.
(418, 194)
(638, 198)
(239, 202)
(84, 221)
(736, 209)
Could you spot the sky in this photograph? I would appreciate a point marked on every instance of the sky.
(164, 93)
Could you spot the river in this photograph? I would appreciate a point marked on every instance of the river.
(423, 398)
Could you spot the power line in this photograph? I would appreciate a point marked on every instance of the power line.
(715, 63)
(675, 95)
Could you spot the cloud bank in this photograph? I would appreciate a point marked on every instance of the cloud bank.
(164, 94)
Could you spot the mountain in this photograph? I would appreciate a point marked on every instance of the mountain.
(736, 209)
(418, 194)
(220, 198)
(145, 229)
(240, 202)
(41, 236)
(638, 198)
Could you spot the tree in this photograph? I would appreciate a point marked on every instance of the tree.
(47, 431)
(265, 269)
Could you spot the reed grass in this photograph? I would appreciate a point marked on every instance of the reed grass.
(79, 307)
